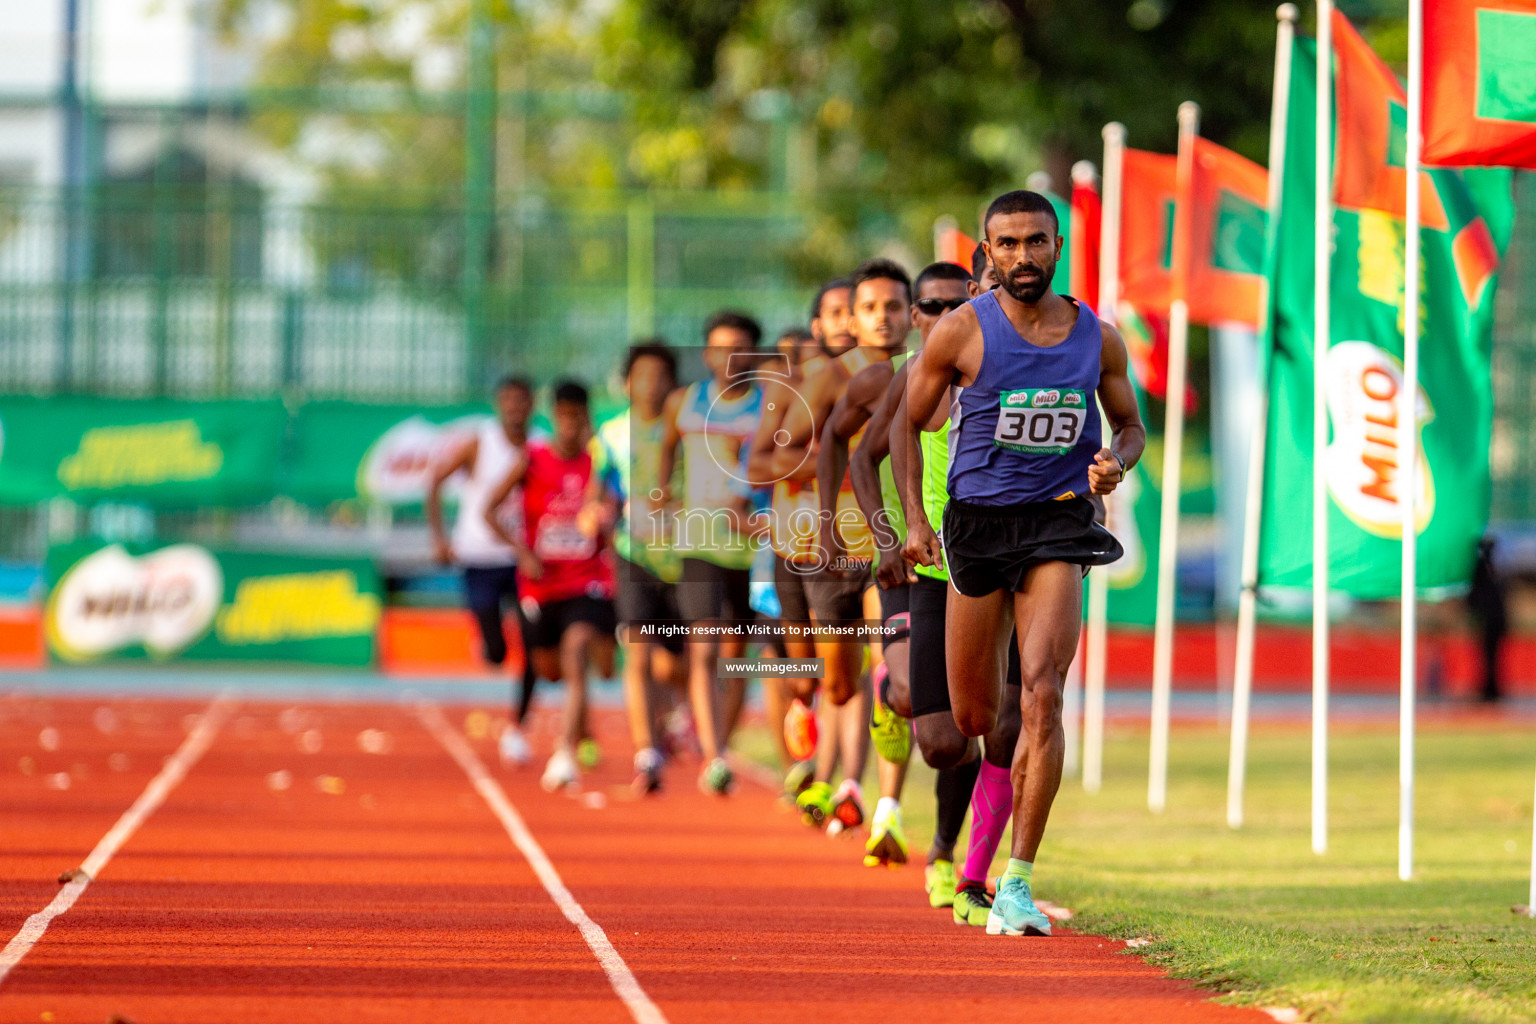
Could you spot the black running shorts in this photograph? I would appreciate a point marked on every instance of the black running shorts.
(839, 597)
(545, 631)
(789, 580)
(645, 598)
(712, 593)
(990, 548)
(929, 675)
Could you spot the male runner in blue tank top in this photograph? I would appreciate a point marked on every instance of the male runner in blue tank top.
(1025, 452)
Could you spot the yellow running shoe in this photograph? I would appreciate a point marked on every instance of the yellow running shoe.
(887, 845)
(939, 881)
(891, 734)
(972, 904)
(815, 804)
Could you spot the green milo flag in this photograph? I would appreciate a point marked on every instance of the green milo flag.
(1364, 376)
(1134, 515)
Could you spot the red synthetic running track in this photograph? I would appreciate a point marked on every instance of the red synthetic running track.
(389, 891)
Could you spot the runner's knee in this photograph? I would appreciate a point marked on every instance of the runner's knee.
(942, 744)
(975, 719)
(1045, 707)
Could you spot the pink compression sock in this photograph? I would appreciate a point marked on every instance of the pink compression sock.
(991, 807)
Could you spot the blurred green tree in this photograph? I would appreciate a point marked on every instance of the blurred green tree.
(879, 114)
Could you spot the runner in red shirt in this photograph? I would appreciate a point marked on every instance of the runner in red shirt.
(564, 573)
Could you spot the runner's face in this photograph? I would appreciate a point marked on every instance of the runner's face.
(722, 343)
(934, 288)
(882, 313)
(1023, 249)
(833, 327)
(570, 425)
(648, 383)
(513, 407)
(988, 282)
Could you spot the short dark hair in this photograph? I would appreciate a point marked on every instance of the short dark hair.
(737, 320)
(941, 271)
(798, 335)
(651, 348)
(1021, 200)
(573, 391)
(514, 380)
(879, 269)
(978, 262)
(831, 286)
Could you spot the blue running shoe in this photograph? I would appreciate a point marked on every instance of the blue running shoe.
(1014, 911)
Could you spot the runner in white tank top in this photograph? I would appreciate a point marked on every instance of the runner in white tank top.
(489, 564)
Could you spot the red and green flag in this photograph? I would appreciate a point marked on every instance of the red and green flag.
(1086, 226)
(1227, 224)
(1363, 365)
(1371, 171)
(1480, 83)
(950, 244)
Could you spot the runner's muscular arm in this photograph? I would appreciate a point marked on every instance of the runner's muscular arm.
(864, 467)
(527, 562)
(1118, 398)
(670, 439)
(849, 413)
(760, 450)
(463, 458)
(931, 374)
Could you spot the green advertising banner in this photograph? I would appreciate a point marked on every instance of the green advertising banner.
(184, 602)
(382, 453)
(1365, 376)
(158, 451)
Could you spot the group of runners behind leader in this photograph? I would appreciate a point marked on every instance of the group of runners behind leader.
(949, 496)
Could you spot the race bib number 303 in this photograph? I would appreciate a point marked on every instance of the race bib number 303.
(1041, 421)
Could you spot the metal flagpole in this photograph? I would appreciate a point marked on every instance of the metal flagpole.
(1072, 712)
(1323, 247)
(1253, 511)
(1173, 457)
(1408, 446)
(1094, 665)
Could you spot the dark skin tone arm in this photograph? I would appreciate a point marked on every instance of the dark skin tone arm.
(930, 377)
(527, 562)
(864, 466)
(1118, 398)
(463, 459)
(670, 439)
(849, 414)
(767, 461)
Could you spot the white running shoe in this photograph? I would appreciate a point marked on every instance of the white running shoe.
(513, 748)
(561, 771)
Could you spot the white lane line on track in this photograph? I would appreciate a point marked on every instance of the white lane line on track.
(619, 975)
(174, 770)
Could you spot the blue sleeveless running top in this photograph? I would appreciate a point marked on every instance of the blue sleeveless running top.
(1027, 428)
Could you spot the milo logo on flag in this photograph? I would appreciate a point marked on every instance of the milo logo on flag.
(1363, 463)
(109, 600)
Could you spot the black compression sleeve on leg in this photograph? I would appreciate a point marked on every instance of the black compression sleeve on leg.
(525, 694)
(953, 788)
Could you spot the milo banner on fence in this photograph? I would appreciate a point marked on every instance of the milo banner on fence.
(158, 451)
(382, 453)
(185, 602)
